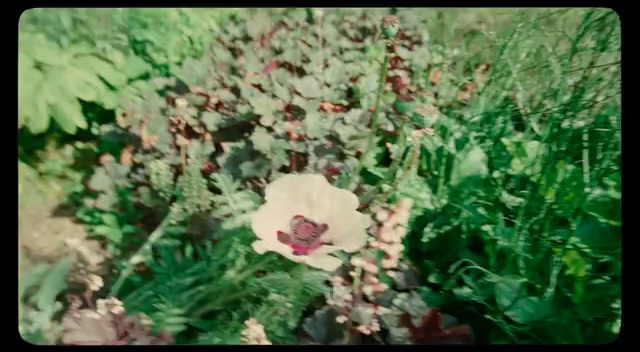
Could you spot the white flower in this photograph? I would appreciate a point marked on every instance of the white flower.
(305, 219)
(109, 305)
(181, 103)
(254, 333)
(94, 282)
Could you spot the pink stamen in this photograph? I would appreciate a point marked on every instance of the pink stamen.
(306, 235)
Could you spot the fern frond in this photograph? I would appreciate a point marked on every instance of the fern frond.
(234, 204)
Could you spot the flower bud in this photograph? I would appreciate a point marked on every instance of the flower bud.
(382, 215)
(363, 329)
(357, 261)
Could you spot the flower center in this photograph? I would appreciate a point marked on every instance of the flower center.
(304, 236)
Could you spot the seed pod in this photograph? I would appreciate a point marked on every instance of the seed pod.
(390, 26)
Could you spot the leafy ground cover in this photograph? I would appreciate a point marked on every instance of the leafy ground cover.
(481, 146)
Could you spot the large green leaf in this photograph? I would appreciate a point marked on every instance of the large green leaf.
(265, 106)
(472, 163)
(32, 278)
(33, 102)
(54, 283)
(135, 67)
(38, 47)
(29, 79)
(599, 237)
(83, 84)
(508, 289)
(102, 68)
(528, 309)
(308, 87)
(65, 109)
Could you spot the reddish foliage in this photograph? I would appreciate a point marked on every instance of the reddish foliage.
(434, 76)
(431, 330)
(271, 66)
(126, 155)
(330, 107)
(396, 62)
(209, 167)
(398, 83)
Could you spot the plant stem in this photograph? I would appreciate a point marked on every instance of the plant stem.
(585, 161)
(358, 288)
(240, 277)
(155, 235)
(411, 163)
(198, 313)
(374, 120)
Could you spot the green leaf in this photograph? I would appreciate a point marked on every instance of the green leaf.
(32, 278)
(508, 289)
(323, 327)
(465, 293)
(527, 310)
(212, 119)
(255, 168)
(67, 112)
(308, 87)
(281, 92)
(576, 265)
(83, 84)
(471, 164)
(41, 49)
(597, 235)
(526, 156)
(265, 106)
(417, 188)
(102, 68)
(108, 99)
(32, 97)
(53, 284)
(262, 140)
(316, 125)
(135, 67)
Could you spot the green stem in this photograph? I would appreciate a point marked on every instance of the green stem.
(224, 299)
(585, 160)
(374, 120)
(411, 162)
(155, 235)
(402, 141)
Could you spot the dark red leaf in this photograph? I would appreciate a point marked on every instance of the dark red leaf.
(271, 66)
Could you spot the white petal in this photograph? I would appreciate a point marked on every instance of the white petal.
(326, 262)
(268, 220)
(344, 199)
(323, 250)
(259, 247)
(348, 230)
(301, 192)
(293, 184)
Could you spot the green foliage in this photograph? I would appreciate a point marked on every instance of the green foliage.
(511, 154)
(55, 80)
(524, 228)
(38, 291)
